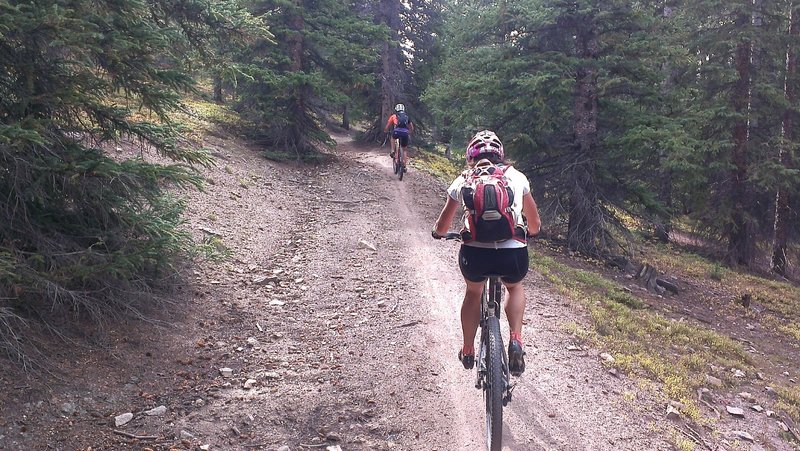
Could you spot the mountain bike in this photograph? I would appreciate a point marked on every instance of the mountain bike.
(399, 158)
(493, 375)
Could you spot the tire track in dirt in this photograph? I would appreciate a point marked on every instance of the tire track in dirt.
(565, 401)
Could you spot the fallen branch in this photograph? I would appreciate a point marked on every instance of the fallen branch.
(313, 446)
(409, 324)
(700, 398)
(699, 437)
(134, 436)
(667, 285)
(694, 436)
(395, 306)
(789, 423)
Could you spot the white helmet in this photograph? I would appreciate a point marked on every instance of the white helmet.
(400, 107)
(485, 142)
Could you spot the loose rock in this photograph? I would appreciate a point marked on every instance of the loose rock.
(606, 357)
(121, 420)
(735, 411)
(713, 381)
(743, 436)
(747, 396)
(226, 372)
(160, 410)
(673, 413)
(68, 408)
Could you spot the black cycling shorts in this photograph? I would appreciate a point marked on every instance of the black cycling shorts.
(402, 135)
(477, 263)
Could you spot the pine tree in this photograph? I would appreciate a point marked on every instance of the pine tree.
(787, 179)
(314, 65)
(573, 89)
(80, 230)
(738, 75)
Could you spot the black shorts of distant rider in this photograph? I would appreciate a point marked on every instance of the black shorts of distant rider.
(402, 135)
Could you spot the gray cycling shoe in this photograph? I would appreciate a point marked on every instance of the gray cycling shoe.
(516, 358)
(467, 360)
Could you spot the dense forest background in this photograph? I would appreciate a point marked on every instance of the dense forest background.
(669, 117)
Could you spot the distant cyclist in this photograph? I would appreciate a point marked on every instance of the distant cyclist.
(403, 127)
(508, 258)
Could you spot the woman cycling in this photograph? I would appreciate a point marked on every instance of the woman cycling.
(401, 131)
(509, 258)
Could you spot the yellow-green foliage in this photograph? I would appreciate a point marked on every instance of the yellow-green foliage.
(684, 444)
(789, 400)
(202, 111)
(792, 329)
(436, 164)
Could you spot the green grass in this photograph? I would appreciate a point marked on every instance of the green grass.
(213, 248)
(778, 296)
(644, 343)
(204, 114)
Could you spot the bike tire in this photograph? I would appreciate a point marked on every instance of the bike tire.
(401, 167)
(494, 387)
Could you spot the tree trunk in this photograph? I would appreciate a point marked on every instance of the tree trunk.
(662, 225)
(218, 88)
(740, 228)
(585, 220)
(296, 44)
(780, 239)
(391, 69)
(345, 118)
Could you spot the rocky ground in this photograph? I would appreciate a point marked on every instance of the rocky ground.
(333, 324)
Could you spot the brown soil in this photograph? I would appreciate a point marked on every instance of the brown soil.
(346, 345)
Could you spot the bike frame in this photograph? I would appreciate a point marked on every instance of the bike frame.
(491, 302)
(493, 373)
(398, 157)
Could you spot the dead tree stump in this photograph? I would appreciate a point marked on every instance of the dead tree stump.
(650, 277)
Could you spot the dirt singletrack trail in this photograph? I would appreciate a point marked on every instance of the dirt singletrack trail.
(334, 321)
(566, 400)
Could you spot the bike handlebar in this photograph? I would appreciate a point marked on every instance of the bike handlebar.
(447, 236)
(457, 236)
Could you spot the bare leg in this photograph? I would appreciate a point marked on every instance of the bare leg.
(515, 306)
(405, 156)
(471, 312)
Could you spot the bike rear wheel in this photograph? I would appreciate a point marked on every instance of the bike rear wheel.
(493, 385)
(401, 168)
